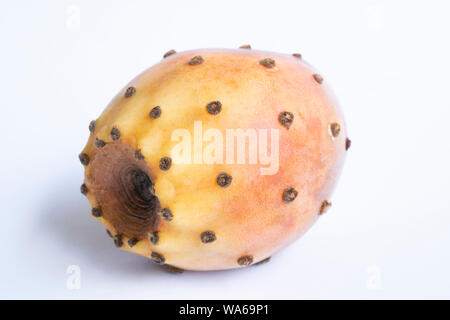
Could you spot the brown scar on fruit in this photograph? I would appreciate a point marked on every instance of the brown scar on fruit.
(297, 55)
(92, 125)
(155, 113)
(172, 269)
(245, 260)
(132, 242)
(84, 189)
(196, 60)
(118, 241)
(115, 133)
(99, 143)
(166, 214)
(348, 143)
(267, 62)
(289, 195)
(208, 237)
(84, 159)
(245, 46)
(224, 179)
(130, 91)
(324, 207)
(157, 258)
(318, 78)
(109, 233)
(335, 129)
(138, 154)
(286, 118)
(165, 163)
(124, 188)
(169, 53)
(154, 237)
(214, 107)
(96, 212)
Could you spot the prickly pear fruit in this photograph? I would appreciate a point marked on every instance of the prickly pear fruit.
(215, 159)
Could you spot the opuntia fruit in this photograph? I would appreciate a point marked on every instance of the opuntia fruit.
(215, 159)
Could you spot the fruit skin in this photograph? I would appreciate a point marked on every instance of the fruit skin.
(249, 217)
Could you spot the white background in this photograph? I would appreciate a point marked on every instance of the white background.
(388, 233)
